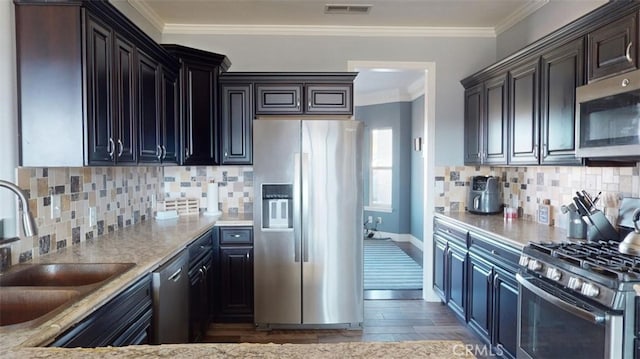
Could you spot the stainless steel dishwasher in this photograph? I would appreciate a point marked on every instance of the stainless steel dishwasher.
(171, 301)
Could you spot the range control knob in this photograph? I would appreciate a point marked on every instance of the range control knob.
(554, 274)
(574, 283)
(534, 265)
(590, 290)
(524, 260)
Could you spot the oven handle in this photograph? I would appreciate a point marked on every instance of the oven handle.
(584, 314)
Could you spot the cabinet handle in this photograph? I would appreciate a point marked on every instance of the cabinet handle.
(111, 148)
(298, 102)
(247, 255)
(186, 153)
(535, 152)
(479, 155)
(628, 52)
(309, 104)
(176, 276)
(164, 152)
(120, 148)
(235, 235)
(158, 152)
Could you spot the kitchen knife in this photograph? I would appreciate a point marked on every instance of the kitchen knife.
(588, 200)
(595, 200)
(581, 207)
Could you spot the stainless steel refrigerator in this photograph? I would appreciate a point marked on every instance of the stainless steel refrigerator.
(308, 220)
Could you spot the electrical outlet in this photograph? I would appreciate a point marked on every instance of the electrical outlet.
(379, 220)
(92, 216)
(55, 206)
(370, 219)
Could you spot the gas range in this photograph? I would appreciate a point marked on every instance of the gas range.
(595, 270)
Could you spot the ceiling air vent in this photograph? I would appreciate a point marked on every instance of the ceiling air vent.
(354, 9)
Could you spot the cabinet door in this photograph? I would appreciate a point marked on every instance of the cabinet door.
(278, 99)
(495, 134)
(439, 253)
(236, 290)
(473, 107)
(562, 72)
(236, 123)
(456, 275)
(199, 123)
(198, 303)
(125, 99)
(523, 119)
(149, 109)
(505, 312)
(613, 48)
(169, 118)
(329, 99)
(99, 92)
(479, 291)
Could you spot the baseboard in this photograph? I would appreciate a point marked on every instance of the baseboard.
(398, 237)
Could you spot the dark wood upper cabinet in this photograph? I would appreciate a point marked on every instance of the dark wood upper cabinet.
(278, 99)
(236, 120)
(102, 77)
(328, 99)
(495, 124)
(124, 106)
(170, 133)
(199, 99)
(99, 67)
(562, 72)
(149, 82)
(538, 92)
(473, 114)
(523, 114)
(613, 48)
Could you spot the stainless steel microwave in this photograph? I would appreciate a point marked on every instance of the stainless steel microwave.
(608, 118)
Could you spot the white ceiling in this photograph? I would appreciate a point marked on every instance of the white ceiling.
(307, 17)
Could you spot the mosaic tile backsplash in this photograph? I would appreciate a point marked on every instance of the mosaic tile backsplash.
(121, 196)
(527, 187)
(235, 186)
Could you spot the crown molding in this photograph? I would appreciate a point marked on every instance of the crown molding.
(519, 15)
(309, 30)
(416, 88)
(148, 13)
(380, 97)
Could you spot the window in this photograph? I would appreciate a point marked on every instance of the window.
(381, 167)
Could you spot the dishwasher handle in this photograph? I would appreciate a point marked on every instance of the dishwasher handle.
(176, 276)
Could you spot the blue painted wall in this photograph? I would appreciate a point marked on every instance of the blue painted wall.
(396, 115)
(417, 170)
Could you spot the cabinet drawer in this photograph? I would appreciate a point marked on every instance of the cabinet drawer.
(612, 48)
(451, 232)
(233, 235)
(493, 251)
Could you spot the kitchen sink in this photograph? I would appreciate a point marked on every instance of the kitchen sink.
(61, 274)
(25, 304)
(33, 293)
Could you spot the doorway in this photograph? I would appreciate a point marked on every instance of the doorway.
(392, 96)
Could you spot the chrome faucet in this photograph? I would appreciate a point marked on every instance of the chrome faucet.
(28, 223)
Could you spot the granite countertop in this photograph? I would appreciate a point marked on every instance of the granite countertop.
(148, 245)
(434, 349)
(516, 233)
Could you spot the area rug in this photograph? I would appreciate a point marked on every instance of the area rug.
(386, 266)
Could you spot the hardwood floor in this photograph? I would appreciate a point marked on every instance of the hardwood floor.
(384, 320)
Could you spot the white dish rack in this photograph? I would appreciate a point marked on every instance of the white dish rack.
(183, 206)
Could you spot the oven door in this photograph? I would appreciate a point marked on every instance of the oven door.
(554, 324)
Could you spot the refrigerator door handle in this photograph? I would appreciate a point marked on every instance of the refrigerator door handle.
(305, 207)
(296, 206)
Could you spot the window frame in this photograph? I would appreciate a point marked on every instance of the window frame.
(380, 206)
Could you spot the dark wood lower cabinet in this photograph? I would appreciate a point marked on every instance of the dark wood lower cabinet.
(233, 275)
(475, 277)
(505, 312)
(125, 320)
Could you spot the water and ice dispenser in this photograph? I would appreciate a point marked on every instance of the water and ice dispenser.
(277, 206)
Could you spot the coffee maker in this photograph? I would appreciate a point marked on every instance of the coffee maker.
(484, 195)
